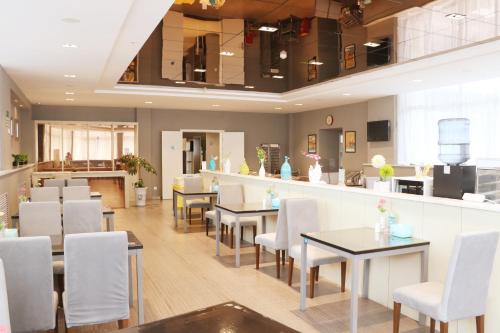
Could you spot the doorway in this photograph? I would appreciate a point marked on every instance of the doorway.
(199, 147)
(330, 148)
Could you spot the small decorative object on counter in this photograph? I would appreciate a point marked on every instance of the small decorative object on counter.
(286, 170)
(418, 172)
(270, 195)
(380, 226)
(226, 165)
(402, 230)
(386, 171)
(244, 169)
(23, 193)
(341, 177)
(214, 186)
(314, 172)
(391, 221)
(212, 165)
(261, 155)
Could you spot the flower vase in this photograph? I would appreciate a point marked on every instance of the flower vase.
(226, 166)
(212, 165)
(286, 170)
(244, 170)
(382, 186)
(380, 226)
(262, 170)
(315, 173)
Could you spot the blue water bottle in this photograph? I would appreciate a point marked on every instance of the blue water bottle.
(286, 170)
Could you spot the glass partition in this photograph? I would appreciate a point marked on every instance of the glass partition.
(124, 142)
(100, 151)
(75, 147)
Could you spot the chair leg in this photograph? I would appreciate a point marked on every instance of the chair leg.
(222, 233)
(433, 326)
(312, 273)
(123, 323)
(317, 273)
(254, 229)
(206, 226)
(480, 324)
(396, 317)
(290, 270)
(189, 215)
(283, 257)
(232, 238)
(443, 327)
(257, 256)
(343, 269)
(241, 233)
(277, 263)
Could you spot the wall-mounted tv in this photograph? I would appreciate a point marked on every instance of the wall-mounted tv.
(378, 130)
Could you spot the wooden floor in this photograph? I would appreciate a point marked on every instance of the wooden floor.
(182, 273)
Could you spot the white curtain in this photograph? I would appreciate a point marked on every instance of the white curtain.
(427, 30)
(419, 113)
(100, 144)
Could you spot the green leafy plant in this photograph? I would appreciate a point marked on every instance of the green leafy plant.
(19, 159)
(134, 164)
(386, 172)
(261, 153)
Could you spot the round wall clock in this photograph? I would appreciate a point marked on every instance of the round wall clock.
(329, 120)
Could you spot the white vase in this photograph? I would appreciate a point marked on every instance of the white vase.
(382, 187)
(341, 177)
(140, 196)
(315, 173)
(226, 166)
(262, 170)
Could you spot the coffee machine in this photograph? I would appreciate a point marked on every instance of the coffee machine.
(453, 179)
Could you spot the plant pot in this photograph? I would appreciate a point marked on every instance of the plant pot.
(382, 187)
(262, 170)
(140, 196)
(15, 164)
(315, 173)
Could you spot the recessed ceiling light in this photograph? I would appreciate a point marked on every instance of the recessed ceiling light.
(69, 93)
(69, 99)
(227, 53)
(70, 75)
(417, 80)
(249, 87)
(346, 94)
(371, 44)
(215, 105)
(180, 82)
(314, 62)
(200, 70)
(266, 28)
(455, 16)
(148, 102)
(278, 108)
(70, 46)
(20, 105)
(298, 104)
(70, 20)
(278, 76)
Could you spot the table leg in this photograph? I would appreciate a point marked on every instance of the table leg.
(173, 202)
(353, 326)
(174, 199)
(217, 232)
(238, 241)
(140, 303)
(130, 284)
(424, 277)
(264, 227)
(110, 222)
(303, 274)
(366, 277)
(184, 215)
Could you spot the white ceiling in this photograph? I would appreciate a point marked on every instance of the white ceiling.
(111, 32)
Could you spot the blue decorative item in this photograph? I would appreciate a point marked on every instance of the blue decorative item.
(391, 220)
(275, 202)
(286, 170)
(402, 230)
(212, 165)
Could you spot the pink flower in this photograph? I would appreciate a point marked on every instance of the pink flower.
(3, 329)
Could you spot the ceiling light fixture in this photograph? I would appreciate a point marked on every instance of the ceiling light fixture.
(278, 108)
(278, 76)
(346, 94)
(455, 16)
(70, 46)
(215, 105)
(283, 54)
(249, 87)
(69, 99)
(148, 102)
(227, 53)
(200, 70)
(266, 28)
(417, 80)
(314, 62)
(372, 44)
(69, 93)
(180, 82)
(72, 76)
(70, 20)
(298, 104)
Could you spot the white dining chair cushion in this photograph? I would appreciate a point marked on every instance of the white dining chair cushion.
(76, 193)
(244, 221)
(30, 290)
(40, 219)
(423, 297)
(210, 214)
(96, 278)
(38, 194)
(4, 304)
(268, 240)
(315, 256)
(81, 216)
(197, 203)
(78, 182)
(59, 183)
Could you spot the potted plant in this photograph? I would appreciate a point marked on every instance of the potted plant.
(261, 156)
(133, 165)
(23, 159)
(16, 160)
(386, 171)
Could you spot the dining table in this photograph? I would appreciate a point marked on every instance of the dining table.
(356, 245)
(176, 193)
(239, 210)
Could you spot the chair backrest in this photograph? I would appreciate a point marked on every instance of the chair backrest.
(30, 290)
(78, 182)
(4, 303)
(193, 184)
(40, 219)
(91, 300)
(231, 194)
(468, 278)
(80, 216)
(302, 216)
(76, 193)
(44, 194)
(59, 183)
(282, 227)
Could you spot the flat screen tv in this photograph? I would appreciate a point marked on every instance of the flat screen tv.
(378, 130)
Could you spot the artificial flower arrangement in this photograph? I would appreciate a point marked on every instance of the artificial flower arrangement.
(271, 198)
(261, 155)
(314, 172)
(23, 194)
(386, 171)
(381, 206)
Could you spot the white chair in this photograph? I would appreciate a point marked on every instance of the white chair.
(76, 193)
(39, 194)
(77, 182)
(96, 279)
(30, 290)
(4, 304)
(465, 290)
(194, 185)
(59, 183)
(40, 219)
(302, 217)
(275, 240)
(80, 216)
(233, 194)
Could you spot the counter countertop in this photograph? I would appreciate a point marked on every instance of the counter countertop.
(399, 196)
(7, 172)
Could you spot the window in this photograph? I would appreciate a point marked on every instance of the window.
(419, 113)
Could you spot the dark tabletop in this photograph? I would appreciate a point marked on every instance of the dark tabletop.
(362, 240)
(133, 244)
(250, 207)
(227, 317)
(207, 193)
